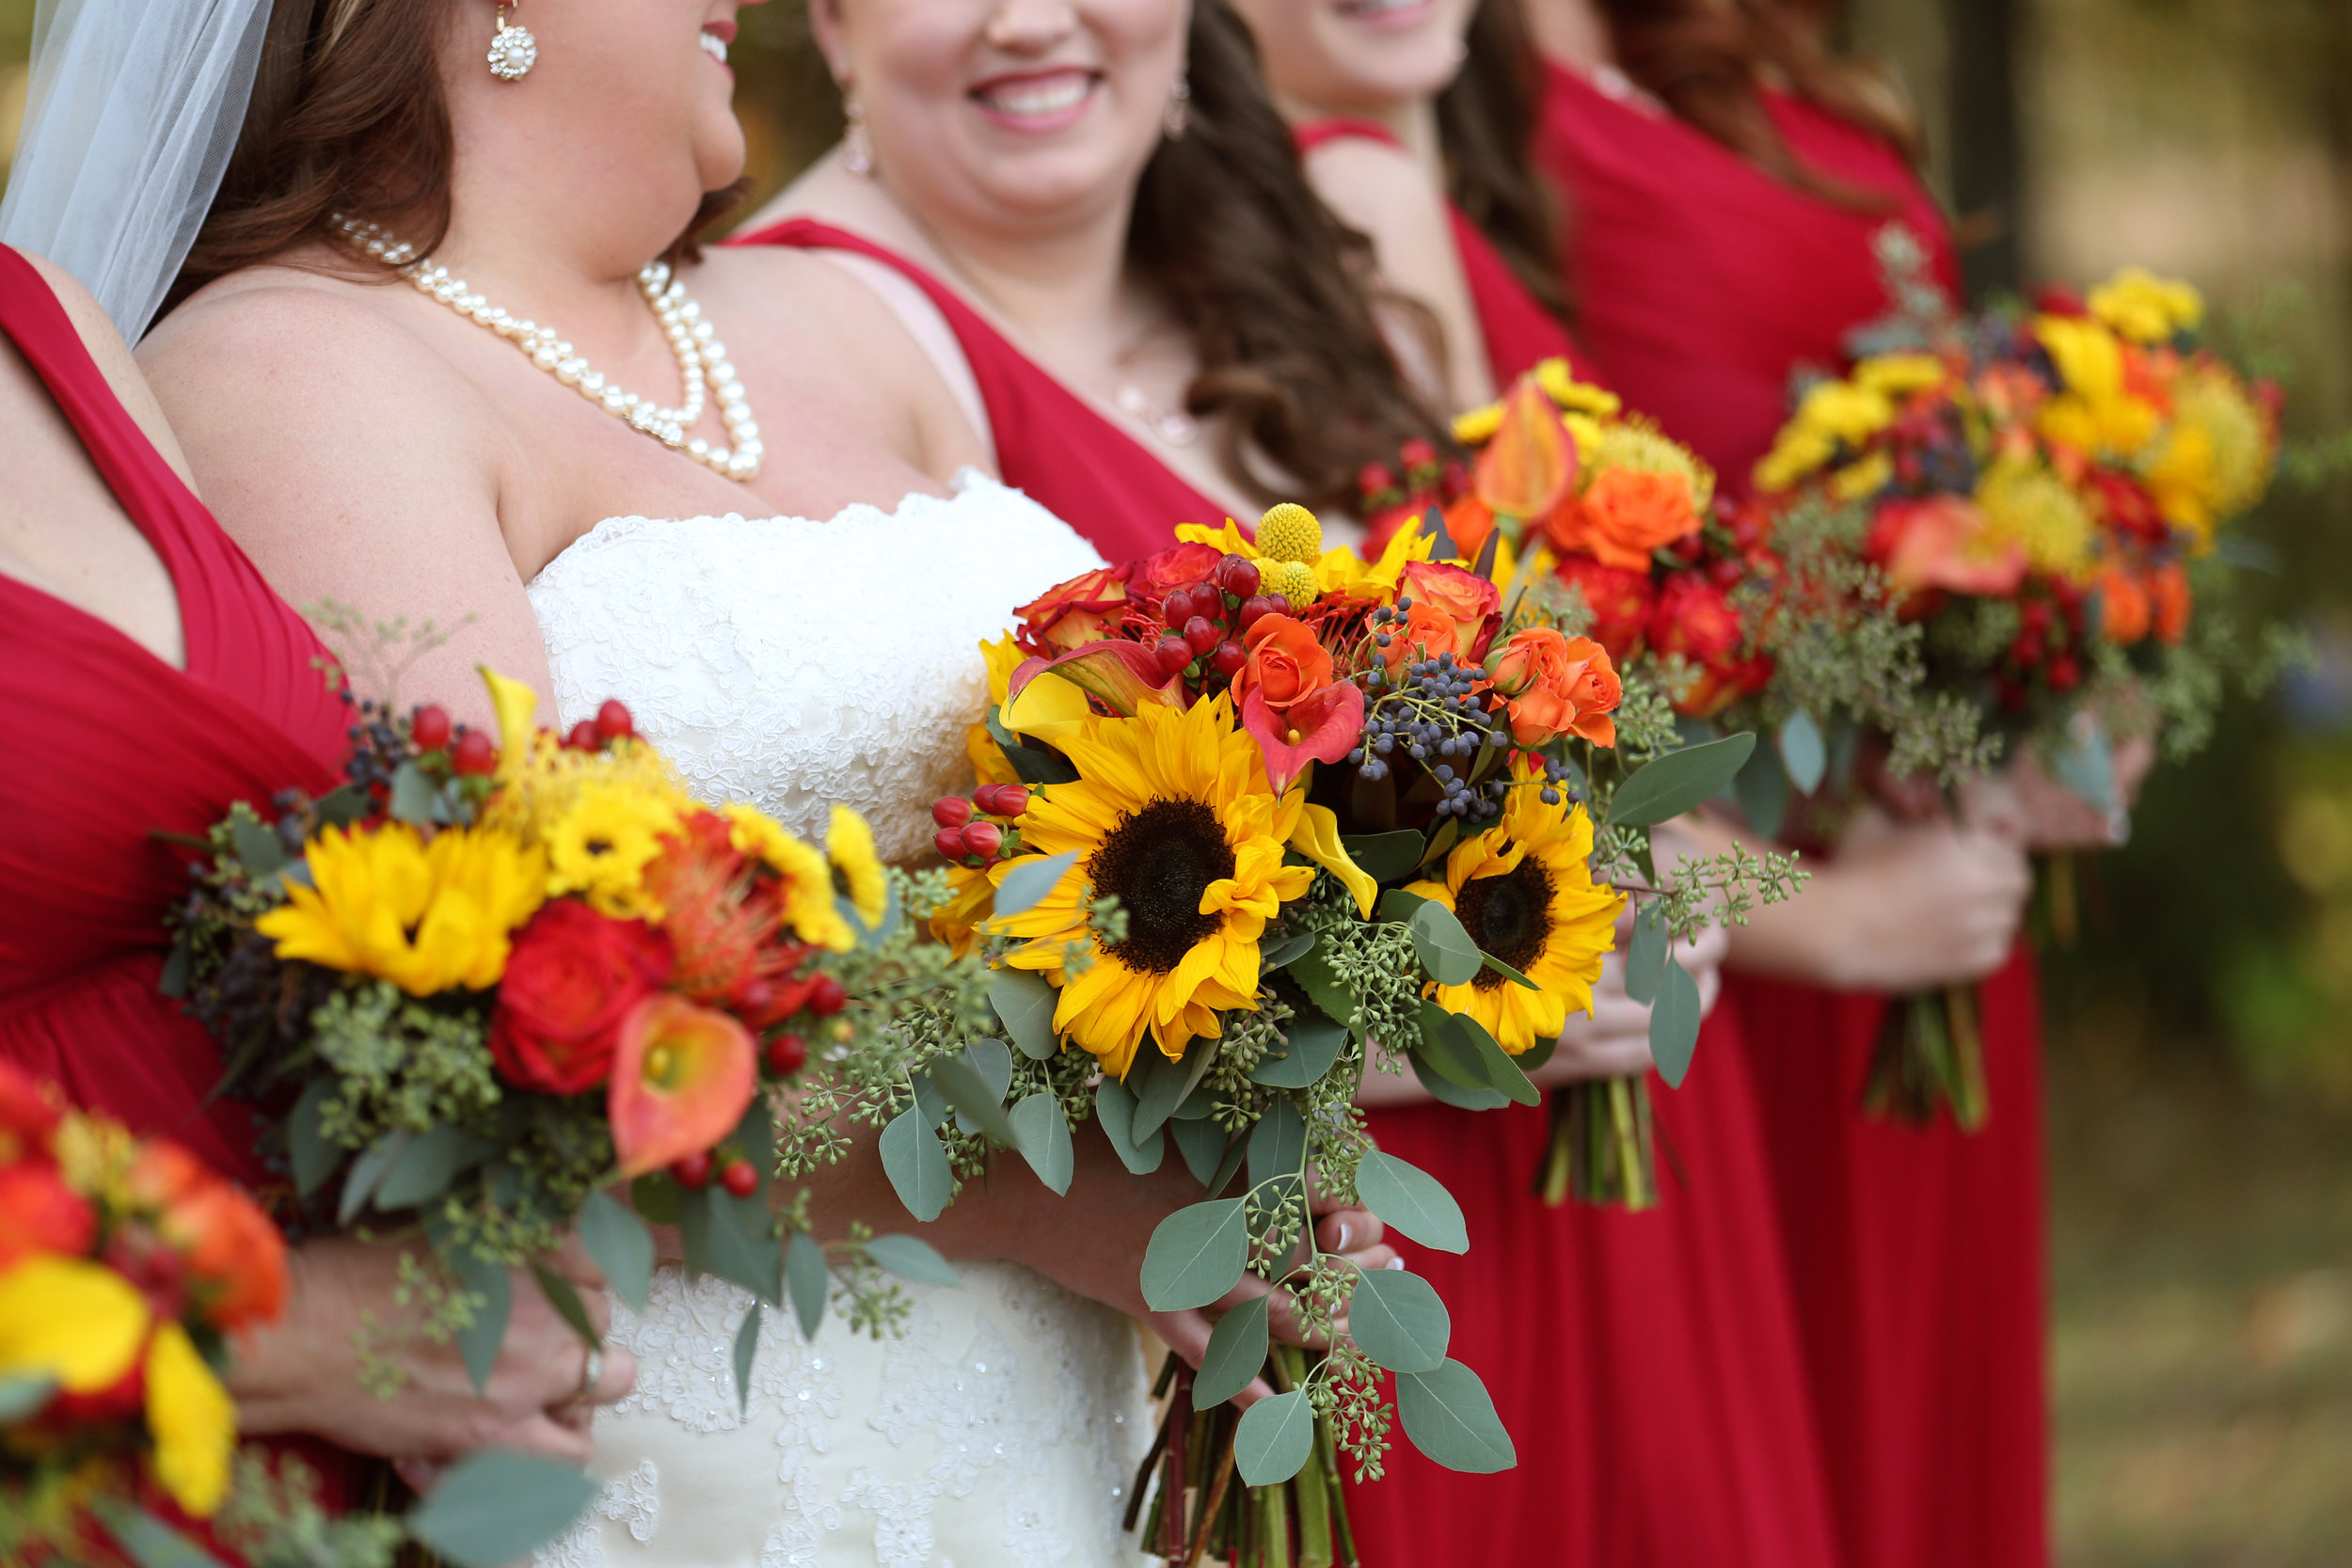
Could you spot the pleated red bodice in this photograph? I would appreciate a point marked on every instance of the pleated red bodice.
(112, 746)
(1050, 443)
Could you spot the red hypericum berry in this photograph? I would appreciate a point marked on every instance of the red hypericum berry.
(2027, 650)
(1256, 609)
(475, 755)
(614, 721)
(951, 810)
(1202, 634)
(1418, 453)
(429, 730)
(1177, 608)
(2036, 614)
(1174, 653)
(584, 736)
(827, 997)
(949, 843)
(984, 839)
(1726, 572)
(786, 1054)
(739, 1179)
(2064, 673)
(1373, 479)
(1228, 660)
(2057, 299)
(1008, 799)
(1237, 574)
(1687, 548)
(693, 1171)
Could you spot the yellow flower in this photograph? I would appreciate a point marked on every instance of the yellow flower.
(2025, 504)
(1862, 480)
(1478, 426)
(1900, 374)
(602, 843)
(1290, 532)
(808, 906)
(193, 1422)
(1559, 382)
(1640, 446)
(1525, 891)
(76, 1322)
(1171, 816)
(1338, 570)
(2147, 309)
(850, 845)
(2094, 413)
(425, 917)
(1846, 412)
(1294, 580)
(2216, 461)
(1798, 451)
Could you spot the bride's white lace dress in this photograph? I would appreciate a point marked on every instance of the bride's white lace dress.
(797, 663)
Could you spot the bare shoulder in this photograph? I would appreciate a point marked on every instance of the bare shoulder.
(112, 356)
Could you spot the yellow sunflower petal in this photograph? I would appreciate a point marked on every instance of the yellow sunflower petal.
(193, 1420)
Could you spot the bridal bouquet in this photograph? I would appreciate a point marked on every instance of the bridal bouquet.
(490, 980)
(2044, 494)
(1256, 816)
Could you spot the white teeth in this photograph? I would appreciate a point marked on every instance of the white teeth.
(714, 46)
(1042, 97)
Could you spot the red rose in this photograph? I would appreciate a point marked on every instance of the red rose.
(1173, 567)
(1619, 600)
(1071, 614)
(1695, 619)
(39, 1214)
(574, 975)
(1469, 600)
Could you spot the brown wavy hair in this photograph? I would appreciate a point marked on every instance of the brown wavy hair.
(1487, 120)
(347, 115)
(1704, 58)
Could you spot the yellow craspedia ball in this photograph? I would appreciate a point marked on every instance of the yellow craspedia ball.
(1293, 579)
(1290, 532)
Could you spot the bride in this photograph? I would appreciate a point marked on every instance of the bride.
(495, 448)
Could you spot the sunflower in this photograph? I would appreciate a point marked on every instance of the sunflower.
(857, 869)
(1173, 816)
(1525, 891)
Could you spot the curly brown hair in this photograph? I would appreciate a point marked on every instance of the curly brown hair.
(1487, 120)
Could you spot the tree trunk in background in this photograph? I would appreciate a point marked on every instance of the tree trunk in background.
(1987, 163)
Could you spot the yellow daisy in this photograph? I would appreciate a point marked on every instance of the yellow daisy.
(1171, 816)
(856, 867)
(808, 906)
(1525, 891)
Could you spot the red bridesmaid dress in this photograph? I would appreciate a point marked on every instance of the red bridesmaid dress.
(1917, 1253)
(1050, 443)
(112, 746)
(1648, 1366)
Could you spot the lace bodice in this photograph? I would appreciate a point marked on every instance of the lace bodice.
(795, 663)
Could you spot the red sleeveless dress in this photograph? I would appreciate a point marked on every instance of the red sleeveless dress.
(1050, 443)
(111, 745)
(1648, 1366)
(1918, 1254)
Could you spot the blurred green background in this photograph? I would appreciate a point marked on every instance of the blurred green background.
(2200, 1058)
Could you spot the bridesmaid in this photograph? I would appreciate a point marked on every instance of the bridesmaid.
(1724, 236)
(154, 679)
(1671, 1343)
(1093, 222)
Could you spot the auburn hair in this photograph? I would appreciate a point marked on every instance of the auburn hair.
(347, 115)
(1487, 118)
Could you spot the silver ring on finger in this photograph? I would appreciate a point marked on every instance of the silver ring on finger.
(591, 1373)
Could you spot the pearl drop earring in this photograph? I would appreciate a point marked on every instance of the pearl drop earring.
(513, 51)
(857, 147)
(1178, 115)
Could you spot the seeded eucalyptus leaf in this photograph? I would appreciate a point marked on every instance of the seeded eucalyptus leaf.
(746, 1352)
(1804, 753)
(621, 1244)
(1026, 1004)
(495, 1507)
(563, 1296)
(1673, 1024)
(1278, 1145)
(1202, 1144)
(917, 1162)
(427, 1166)
(1161, 1085)
(1235, 1152)
(493, 1288)
(1274, 1439)
(1445, 1052)
(1445, 949)
(1447, 1093)
(733, 1238)
(806, 1281)
(415, 799)
(313, 1157)
(1115, 1112)
(147, 1541)
(1313, 1044)
(1195, 1255)
(1502, 1072)
(1398, 905)
(656, 1198)
(368, 1172)
(1397, 1320)
(1282, 954)
(1762, 792)
(1029, 881)
(1236, 1353)
(257, 845)
(977, 1110)
(929, 1099)
(915, 1261)
(1507, 972)
(1384, 857)
(1449, 1415)
(1314, 974)
(1679, 782)
(1041, 1133)
(1646, 955)
(1411, 1200)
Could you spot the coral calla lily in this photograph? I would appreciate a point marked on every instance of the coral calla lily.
(682, 1078)
(1124, 676)
(1529, 466)
(1323, 726)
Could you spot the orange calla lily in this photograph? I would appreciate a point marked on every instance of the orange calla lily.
(682, 1077)
(1530, 466)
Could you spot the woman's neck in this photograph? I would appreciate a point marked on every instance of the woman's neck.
(1413, 121)
(1064, 286)
(1574, 32)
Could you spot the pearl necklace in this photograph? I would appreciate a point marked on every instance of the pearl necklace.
(702, 359)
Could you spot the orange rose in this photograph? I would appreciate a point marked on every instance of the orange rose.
(1557, 685)
(1071, 614)
(232, 1247)
(2168, 586)
(1465, 598)
(1628, 512)
(1468, 522)
(1423, 631)
(1286, 663)
(2125, 610)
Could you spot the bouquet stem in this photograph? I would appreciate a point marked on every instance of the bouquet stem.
(1930, 1054)
(1601, 1149)
(1196, 1514)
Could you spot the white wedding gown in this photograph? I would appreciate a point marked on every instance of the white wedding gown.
(795, 663)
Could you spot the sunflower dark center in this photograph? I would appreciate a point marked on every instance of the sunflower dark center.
(1157, 863)
(1509, 916)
